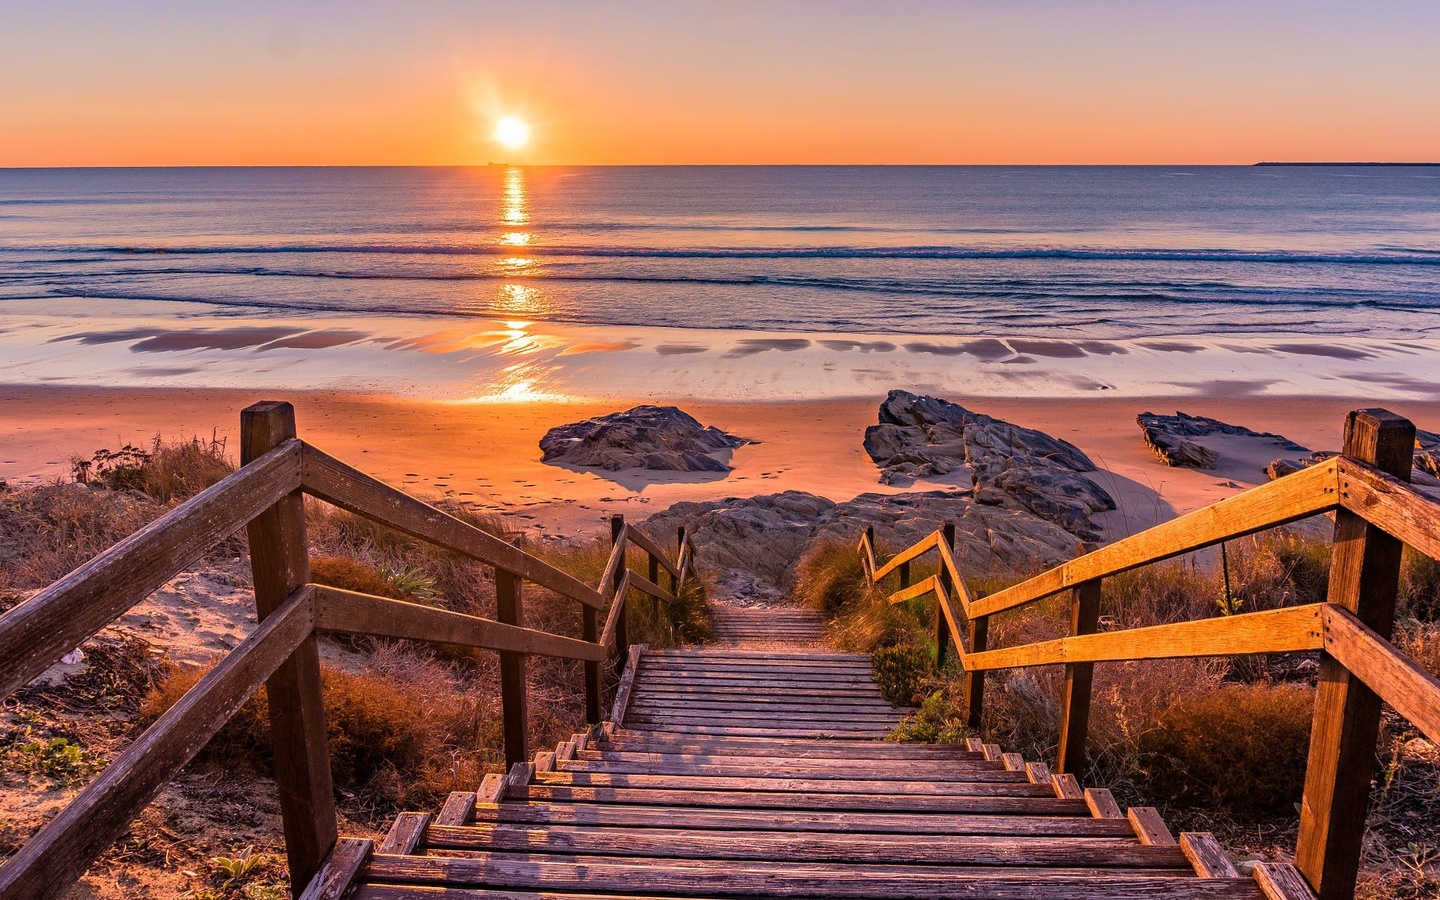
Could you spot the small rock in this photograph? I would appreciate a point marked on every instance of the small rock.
(658, 438)
(1170, 438)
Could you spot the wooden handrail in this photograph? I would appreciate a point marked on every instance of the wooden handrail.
(264, 497)
(35, 634)
(328, 479)
(61, 852)
(1375, 509)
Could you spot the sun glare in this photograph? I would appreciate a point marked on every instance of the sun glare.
(512, 132)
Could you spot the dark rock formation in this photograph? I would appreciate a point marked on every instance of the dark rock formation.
(660, 438)
(1171, 437)
(751, 545)
(1009, 466)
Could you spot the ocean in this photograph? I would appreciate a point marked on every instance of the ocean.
(1075, 252)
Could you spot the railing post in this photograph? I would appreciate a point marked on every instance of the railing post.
(679, 552)
(942, 627)
(975, 681)
(509, 609)
(279, 563)
(622, 635)
(1075, 697)
(1364, 577)
(870, 539)
(590, 631)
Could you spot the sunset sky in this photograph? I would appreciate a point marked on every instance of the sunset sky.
(342, 83)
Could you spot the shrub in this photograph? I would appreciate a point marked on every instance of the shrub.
(829, 576)
(1420, 586)
(351, 574)
(168, 471)
(1240, 749)
(939, 720)
(899, 672)
(48, 531)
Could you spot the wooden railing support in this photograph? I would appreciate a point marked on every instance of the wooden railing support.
(942, 627)
(975, 680)
(590, 631)
(1364, 578)
(509, 609)
(280, 563)
(622, 637)
(1075, 697)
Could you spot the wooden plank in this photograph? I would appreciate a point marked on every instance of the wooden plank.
(1399, 680)
(914, 551)
(953, 850)
(992, 787)
(993, 752)
(1364, 578)
(492, 788)
(616, 616)
(974, 678)
(1269, 631)
(590, 633)
(1391, 505)
(279, 566)
(1102, 805)
(783, 767)
(36, 633)
(1066, 786)
(919, 589)
(354, 613)
(627, 684)
(634, 536)
(1038, 773)
(1298, 496)
(1014, 762)
(1149, 827)
(836, 821)
(646, 586)
(406, 833)
(1207, 856)
(1281, 881)
(564, 752)
(866, 549)
(521, 775)
(959, 590)
(1153, 887)
(338, 872)
(544, 761)
(350, 489)
(1079, 677)
(690, 878)
(791, 800)
(59, 854)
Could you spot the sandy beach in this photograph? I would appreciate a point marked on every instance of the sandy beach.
(487, 454)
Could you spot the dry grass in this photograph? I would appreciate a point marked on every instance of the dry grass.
(48, 531)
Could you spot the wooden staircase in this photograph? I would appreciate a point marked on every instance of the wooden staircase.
(756, 769)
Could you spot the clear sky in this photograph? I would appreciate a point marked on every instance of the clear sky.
(776, 81)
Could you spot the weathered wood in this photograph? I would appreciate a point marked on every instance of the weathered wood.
(1075, 692)
(918, 589)
(1014, 762)
(1149, 827)
(590, 633)
(975, 677)
(1305, 493)
(614, 621)
(1364, 577)
(627, 684)
(971, 803)
(1067, 786)
(354, 613)
(946, 629)
(1013, 787)
(1391, 505)
(674, 843)
(914, 551)
(1038, 773)
(648, 586)
(1280, 881)
(1206, 855)
(520, 776)
(350, 489)
(460, 806)
(406, 833)
(638, 538)
(1102, 805)
(280, 565)
(617, 632)
(59, 854)
(338, 872)
(616, 763)
(492, 787)
(866, 549)
(1399, 680)
(1269, 631)
(36, 633)
(509, 609)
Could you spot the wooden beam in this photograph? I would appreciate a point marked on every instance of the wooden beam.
(1399, 680)
(336, 483)
(60, 853)
(1305, 493)
(1391, 505)
(349, 612)
(339, 870)
(1364, 578)
(945, 630)
(974, 677)
(917, 549)
(509, 609)
(627, 684)
(280, 565)
(36, 633)
(918, 589)
(635, 536)
(617, 612)
(646, 586)
(1270, 631)
(1079, 677)
(1207, 856)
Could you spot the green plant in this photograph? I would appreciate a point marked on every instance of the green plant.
(350, 574)
(237, 869)
(829, 576)
(58, 758)
(939, 720)
(413, 583)
(899, 672)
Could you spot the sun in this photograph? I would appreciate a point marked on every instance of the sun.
(512, 132)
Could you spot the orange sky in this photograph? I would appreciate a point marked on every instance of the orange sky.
(331, 83)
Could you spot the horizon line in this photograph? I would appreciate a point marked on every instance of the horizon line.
(501, 165)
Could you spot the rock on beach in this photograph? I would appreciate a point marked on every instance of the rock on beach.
(658, 438)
